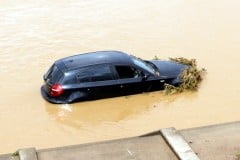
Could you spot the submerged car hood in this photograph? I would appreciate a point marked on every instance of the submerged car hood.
(169, 69)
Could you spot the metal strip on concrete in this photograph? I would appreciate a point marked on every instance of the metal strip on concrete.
(178, 144)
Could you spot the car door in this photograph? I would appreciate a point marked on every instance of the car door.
(101, 81)
(131, 80)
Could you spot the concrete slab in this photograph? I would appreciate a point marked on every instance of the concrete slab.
(221, 142)
(8, 157)
(141, 148)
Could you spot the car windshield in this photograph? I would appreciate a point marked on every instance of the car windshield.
(143, 64)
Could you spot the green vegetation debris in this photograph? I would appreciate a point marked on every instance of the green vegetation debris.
(15, 153)
(238, 155)
(191, 77)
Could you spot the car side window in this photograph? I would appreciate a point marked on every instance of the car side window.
(94, 74)
(84, 75)
(69, 79)
(127, 72)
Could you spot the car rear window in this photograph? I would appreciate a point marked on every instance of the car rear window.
(54, 74)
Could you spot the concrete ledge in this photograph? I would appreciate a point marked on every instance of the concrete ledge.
(27, 154)
(178, 144)
(219, 142)
(151, 148)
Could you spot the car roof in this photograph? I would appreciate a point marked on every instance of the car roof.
(94, 58)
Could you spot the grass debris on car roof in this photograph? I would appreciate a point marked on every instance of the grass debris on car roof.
(191, 77)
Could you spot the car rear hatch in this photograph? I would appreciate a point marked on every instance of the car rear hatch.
(53, 76)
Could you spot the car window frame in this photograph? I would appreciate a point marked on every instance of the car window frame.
(143, 65)
(92, 67)
(129, 65)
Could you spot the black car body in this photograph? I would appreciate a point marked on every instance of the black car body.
(106, 74)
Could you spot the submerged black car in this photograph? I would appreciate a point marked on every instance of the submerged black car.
(106, 74)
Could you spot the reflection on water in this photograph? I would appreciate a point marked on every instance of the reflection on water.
(34, 34)
(115, 109)
(112, 109)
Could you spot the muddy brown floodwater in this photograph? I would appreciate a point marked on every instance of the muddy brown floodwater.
(35, 33)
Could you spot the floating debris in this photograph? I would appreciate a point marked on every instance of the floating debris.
(156, 58)
(191, 77)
